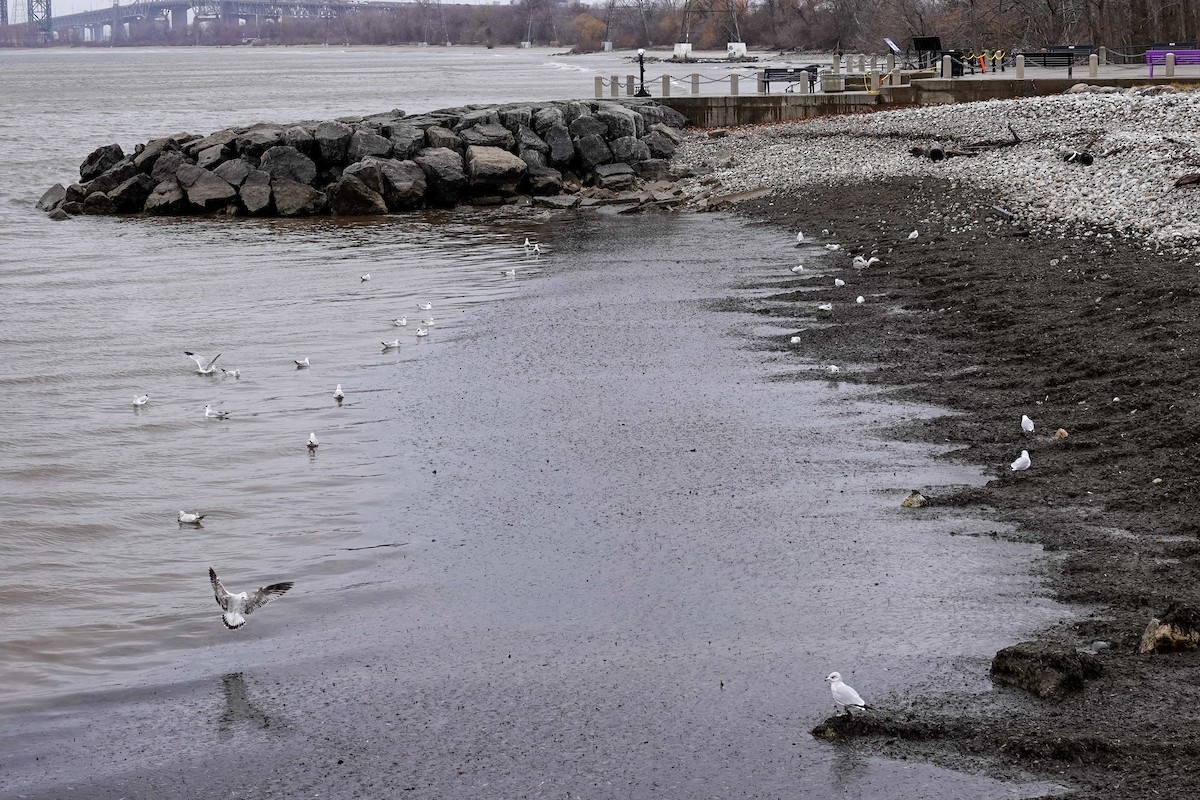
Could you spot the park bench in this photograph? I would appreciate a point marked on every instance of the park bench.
(1059, 55)
(790, 75)
(1159, 57)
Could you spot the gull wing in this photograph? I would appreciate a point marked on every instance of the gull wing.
(209, 365)
(219, 591)
(266, 595)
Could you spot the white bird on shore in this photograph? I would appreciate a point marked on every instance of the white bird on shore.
(863, 263)
(302, 364)
(825, 307)
(798, 268)
(186, 518)
(844, 696)
(140, 400)
(799, 237)
(509, 273)
(422, 332)
(832, 247)
(914, 234)
(537, 250)
(833, 369)
(232, 373)
(364, 278)
(239, 606)
(795, 340)
(400, 322)
(528, 244)
(392, 345)
(1026, 424)
(203, 367)
(1022, 462)
(212, 413)
(838, 282)
(338, 394)
(424, 306)
(860, 299)
(313, 444)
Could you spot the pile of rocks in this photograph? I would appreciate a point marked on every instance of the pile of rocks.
(381, 163)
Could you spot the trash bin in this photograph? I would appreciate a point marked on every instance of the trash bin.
(956, 64)
(833, 82)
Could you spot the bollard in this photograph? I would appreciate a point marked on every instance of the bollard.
(666, 82)
(890, 63)
(1020, 68)
(875, 80)
(1170, 64)
(762, 82)
(599, 86)
(695, 83)
(947, 67)
(805, 87)
(1093, 65)
(862, 63)
(837, 63)
(733, 85)
(1103, 56)
(614, 86)
(629, 85)
(874, 62)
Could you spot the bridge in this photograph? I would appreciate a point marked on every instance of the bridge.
(41, 24)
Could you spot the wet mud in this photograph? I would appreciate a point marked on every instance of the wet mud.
(1087, 333)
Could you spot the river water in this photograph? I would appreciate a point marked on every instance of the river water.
(581, 539)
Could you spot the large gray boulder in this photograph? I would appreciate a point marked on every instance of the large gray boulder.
(131, 195)
(493, 169)
(295, 199)
(437, 136)
(210, 157)
(615, 177)
(1050, 671)
(368, 171)
(562, 149)
(288, 163)
(447, 182)
(483, 116)
(333, 140)
(660, 114)
(225, 137)
(407, 140)
(592, 151)
(255, 193)
(404, 184)
(167, 197)
(655, 169)
(52, 198)
(532, 158)
(488, 135)
(100, 161)
(672, 133)
(113, 178)
(620, 121)
(587, 126)
(547, 117)
(629, 150)
(364, 144)
(99, 204)
(515, 117)
(233, 172)
(204, 190)
(348, 196)
(528, 140)
(659, 144)
(166, 165)
(258, 140)
(543, 181)
(301, 138)
(152, 151)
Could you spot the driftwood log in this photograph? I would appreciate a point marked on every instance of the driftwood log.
(935, 151)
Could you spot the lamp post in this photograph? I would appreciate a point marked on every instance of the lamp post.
(641, 92)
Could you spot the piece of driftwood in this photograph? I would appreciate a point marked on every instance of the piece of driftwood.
(936, 151)
(1191, 179)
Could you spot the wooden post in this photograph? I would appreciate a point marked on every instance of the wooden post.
(666, 85)
(695, 83)
(1020, 68)
(733, 84)
(1170, 65)
(599, 86)
(1093, 65)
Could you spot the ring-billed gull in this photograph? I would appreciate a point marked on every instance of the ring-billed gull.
(364, 278)
(233, 373)
(844, 696)
(825, 307)
(427, 321)
(400, 322)
(838, 282)
(239, 606)
(914, 234)
(863, 263)
(424, 306)
(832, 247)
(392, 345)
(141, 399)
(212, 413)
(338, 394)
(860, 299)
(302, 364)
(422, 332)
(187, 518)
(1026, 424)
(509, 273)
(799, 237)
(1022, 462)
(203, 367)
(798, 268)
(313, 444)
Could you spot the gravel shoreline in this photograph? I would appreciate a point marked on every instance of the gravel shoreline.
(1081, 310)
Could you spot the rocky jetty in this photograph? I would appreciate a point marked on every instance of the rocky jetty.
(485, 155)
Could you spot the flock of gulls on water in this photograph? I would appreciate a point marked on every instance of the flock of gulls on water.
(236, 606)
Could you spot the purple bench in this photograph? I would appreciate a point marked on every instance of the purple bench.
(1181, 57)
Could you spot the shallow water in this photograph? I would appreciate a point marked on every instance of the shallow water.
(582, 538)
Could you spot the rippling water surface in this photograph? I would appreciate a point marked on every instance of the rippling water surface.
(582, 470)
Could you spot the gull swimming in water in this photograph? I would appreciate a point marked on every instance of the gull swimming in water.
(140, 400)
(844, 696)
(798, 268)
(400, 322)
(914, 234)
(392, 345)
(302, 364)
(313, 444)
(838, 282)
(212, 413)
(338, 394)
(1021, 463)
(364, 278)
(528, 244)
(799, 237)
(239, 606)
(427, 321)
(424, 306)
(202, 367)
(537, 250)
(1026, 424)
(190, 519)
(233, 373)
(422, 332)
(510, 273)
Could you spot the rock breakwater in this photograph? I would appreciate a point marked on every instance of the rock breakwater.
(485, 155)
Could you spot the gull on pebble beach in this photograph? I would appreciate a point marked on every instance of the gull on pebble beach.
(825, 307)
(313, 444)
(240, 605)
(141, 399)
(838, 282)
(302, 364)
(914, 234)
(798, 268)
(799, 237)
(400, 322)
(1021, 463)
(795, 340)
(860, 299)
(1026, 424)
(212, 413)
(833, 369)
(203, 367)
(844, 696)
(832, 247)
(338, 394)
(186, 518)
(863, 263)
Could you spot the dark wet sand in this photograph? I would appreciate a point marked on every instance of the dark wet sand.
(633, 548)
(1093, 335)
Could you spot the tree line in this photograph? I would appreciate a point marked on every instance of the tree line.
(785, 25)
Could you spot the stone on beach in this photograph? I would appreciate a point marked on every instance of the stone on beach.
(286, 162)
(1050, 671)
(1178, 630)
(99, 161)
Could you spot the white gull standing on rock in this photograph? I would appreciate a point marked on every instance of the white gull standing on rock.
(844, 696)
(240, 605)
